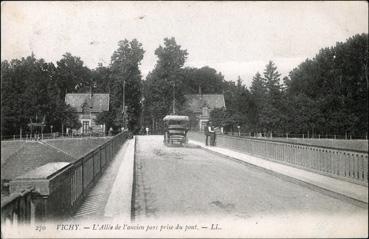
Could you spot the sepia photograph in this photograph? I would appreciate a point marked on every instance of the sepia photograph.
(184, 119)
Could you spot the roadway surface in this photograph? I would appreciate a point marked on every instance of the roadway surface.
(189, 181)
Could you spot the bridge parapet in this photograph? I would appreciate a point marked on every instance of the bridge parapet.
(350, 165)
(55, 190)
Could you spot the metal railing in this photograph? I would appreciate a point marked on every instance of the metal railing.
(340, 143)
(299, 136)
(55, 135)
(88, 168)
(77, 180)
(351, 165)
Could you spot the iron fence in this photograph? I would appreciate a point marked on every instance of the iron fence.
(346, 164)
(33, 137)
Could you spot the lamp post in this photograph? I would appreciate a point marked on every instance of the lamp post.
(239, 132)
(142, 103)
(174, 98)
(124, 108)
(51, 127)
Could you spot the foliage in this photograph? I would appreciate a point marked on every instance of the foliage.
(72, 76)
(204, 79)
(124, 69)
(70, 118)
(238, 105)
(335, 83)
(324, 95)
(29, 91)
(101, 78)
(159, 84)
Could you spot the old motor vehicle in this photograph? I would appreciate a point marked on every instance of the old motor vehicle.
(175, 129)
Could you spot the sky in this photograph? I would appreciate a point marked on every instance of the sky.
(235, 38)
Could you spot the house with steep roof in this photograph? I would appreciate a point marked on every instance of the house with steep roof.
(88, 106)
(202, 104)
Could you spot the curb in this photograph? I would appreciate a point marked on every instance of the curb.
(309, 185)
(134, 183)
(124, 194)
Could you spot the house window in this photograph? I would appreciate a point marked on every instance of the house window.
(205, 111)
(85, 125)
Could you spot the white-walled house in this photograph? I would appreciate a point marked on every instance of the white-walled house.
(88, 106)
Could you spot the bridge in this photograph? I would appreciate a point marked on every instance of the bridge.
(241, 187)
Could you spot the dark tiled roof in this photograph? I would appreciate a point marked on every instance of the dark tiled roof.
(196, 102)
(99, 102)
(32, 155)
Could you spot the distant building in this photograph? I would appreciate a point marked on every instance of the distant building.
(202, 104)
(88, 106)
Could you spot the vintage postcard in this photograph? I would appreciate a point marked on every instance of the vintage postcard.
(161, 119)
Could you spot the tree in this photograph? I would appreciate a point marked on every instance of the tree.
(205, 79)
(30, 90)
(170, 57)
(125, 73)
(272, 78)
(270, 114)
(101, 78)
(160, 83)
(258, 102)
(11, 90)
(337, 79)
(72, 76)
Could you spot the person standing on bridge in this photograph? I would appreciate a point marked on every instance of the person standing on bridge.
(206, 132)
(210, 132)
(147, 130)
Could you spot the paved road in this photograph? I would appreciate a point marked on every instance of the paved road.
(177, 182)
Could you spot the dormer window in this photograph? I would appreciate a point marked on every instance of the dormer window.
(205, 111)
(85, 108)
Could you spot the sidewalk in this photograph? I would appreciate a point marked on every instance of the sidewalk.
(111, 196)
(340, 189)
(120, 198)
